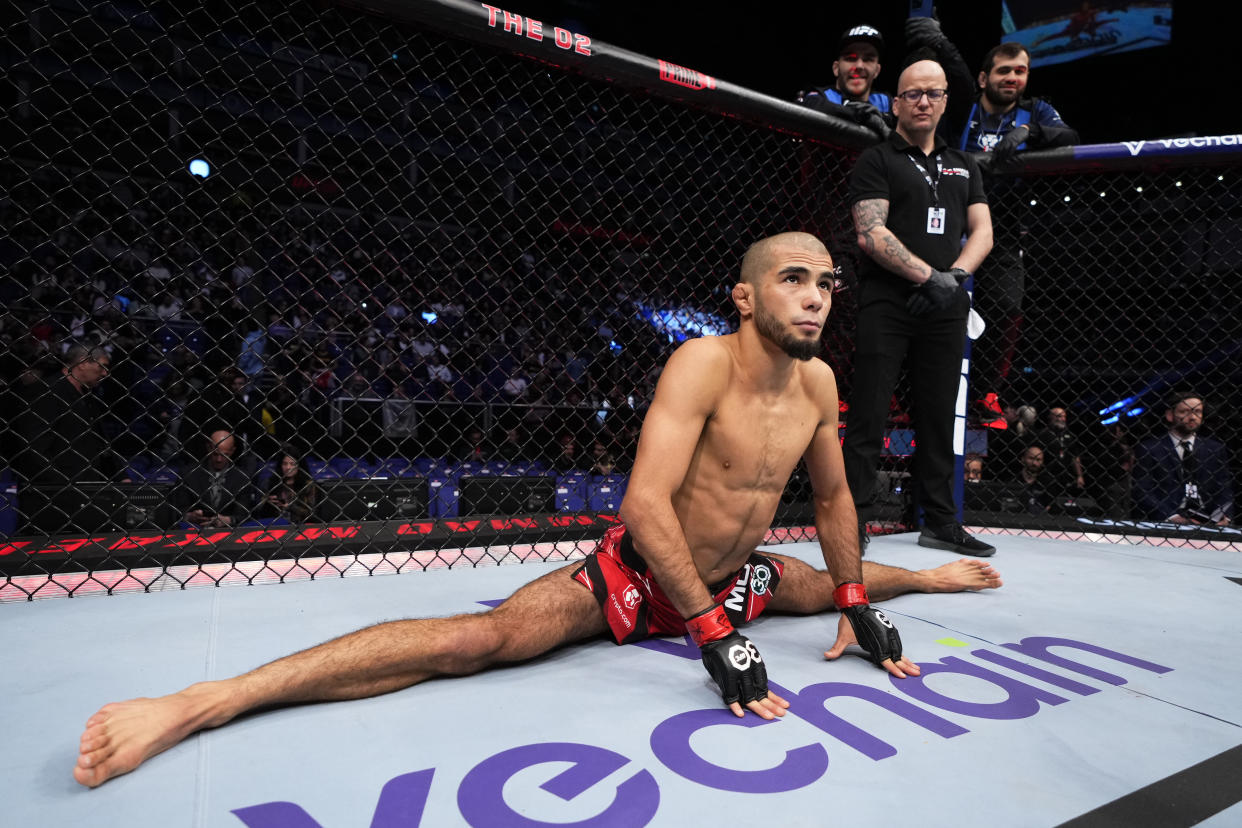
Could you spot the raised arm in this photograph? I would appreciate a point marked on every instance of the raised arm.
(884, 248)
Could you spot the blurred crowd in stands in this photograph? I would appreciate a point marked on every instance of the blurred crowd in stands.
(309, 336)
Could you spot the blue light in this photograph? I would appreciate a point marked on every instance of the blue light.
(680, 324)
(1110, 420)
(200, 168)
(1134, 412)
(429, 317)
(1118, 405)
(614, 347)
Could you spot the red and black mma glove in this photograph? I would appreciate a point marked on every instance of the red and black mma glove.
(875, 633)
(731, 659)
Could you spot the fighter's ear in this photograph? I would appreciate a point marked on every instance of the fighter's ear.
(744, 298)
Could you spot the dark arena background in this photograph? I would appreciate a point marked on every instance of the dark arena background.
(381, 287)
(436, 253)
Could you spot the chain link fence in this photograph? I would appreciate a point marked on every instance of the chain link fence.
(308, 285)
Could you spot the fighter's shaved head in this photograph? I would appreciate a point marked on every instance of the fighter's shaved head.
(759, 256)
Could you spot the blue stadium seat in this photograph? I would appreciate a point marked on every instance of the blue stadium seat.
(426, 465)
(162, 474)
(167, 338)
(604, 492)
(571, 491)
(321, 470)
(8, 503)
(138, 468)
(396, 467)
(443, 496)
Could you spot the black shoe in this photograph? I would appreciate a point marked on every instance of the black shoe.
(953, 538)
(863, 538)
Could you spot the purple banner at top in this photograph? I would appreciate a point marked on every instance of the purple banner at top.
(1162, 147)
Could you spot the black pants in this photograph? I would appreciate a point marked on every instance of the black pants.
(887, 336)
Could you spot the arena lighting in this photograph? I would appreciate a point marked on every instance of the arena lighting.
(199, 167)
(429, 317)
(1110, 420)
(1134, 412)
(1067, 198)
(1117, 406)
(1033, 202)
(680, 324)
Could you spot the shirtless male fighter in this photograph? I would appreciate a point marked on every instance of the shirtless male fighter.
(732, 415)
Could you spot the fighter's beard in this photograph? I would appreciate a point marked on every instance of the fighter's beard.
(770, 329)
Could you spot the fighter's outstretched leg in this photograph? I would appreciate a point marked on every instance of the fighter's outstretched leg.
(805, 589)
(546, 613)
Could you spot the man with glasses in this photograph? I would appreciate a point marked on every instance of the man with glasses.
(1182, 476)
(856, 67)
(913, 199)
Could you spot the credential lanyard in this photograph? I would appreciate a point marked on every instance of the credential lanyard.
(932, 183)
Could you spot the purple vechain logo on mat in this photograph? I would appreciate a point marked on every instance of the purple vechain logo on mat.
(636, 797)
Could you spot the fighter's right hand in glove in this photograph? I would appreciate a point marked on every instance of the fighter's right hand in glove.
(734, 663)
(937, 292)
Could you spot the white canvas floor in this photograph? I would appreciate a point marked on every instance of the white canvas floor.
(603, 735)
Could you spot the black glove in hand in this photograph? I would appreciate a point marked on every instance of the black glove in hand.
(875, 633)
(936, 293)
(869, 116)
(735, 665)
(1007, 146)
(731, 659)
(923, 31)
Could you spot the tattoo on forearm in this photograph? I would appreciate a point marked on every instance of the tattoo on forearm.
(897, 254)
(870, 214)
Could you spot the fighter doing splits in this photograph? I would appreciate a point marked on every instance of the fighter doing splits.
(732, 416)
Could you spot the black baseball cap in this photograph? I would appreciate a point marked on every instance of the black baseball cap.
(861, 34)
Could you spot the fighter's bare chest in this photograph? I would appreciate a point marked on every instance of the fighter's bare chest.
(759, 441)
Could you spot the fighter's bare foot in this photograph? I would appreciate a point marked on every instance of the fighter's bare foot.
(961, 575)
(123, 735)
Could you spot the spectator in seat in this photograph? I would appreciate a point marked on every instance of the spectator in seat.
(215, 494)
(1062, 454)
(59, 437)
(1182, 476)
(294, 495)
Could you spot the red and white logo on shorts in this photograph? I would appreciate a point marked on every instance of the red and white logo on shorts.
(632, 597)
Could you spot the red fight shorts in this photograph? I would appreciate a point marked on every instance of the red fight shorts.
(636, 608)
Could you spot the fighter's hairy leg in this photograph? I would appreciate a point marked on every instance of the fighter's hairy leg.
(807, 589)
(546, 613)
(967, 574)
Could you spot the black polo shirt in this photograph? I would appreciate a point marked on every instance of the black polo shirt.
(898, 172)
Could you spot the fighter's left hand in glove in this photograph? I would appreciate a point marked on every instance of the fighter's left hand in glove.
(872, 631)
